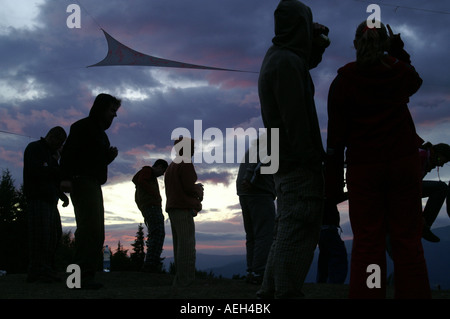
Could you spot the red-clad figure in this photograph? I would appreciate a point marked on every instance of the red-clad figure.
(369, 117)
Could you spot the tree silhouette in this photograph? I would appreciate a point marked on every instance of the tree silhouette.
(13, 226)
(120, 260)
(138, 255)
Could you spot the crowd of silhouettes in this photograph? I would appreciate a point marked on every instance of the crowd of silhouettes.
(371, 135)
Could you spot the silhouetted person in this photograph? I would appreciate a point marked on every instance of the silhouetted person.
(41, 178)
(183, 201)
(433, 156)
(148, 200)
(256, 193)
(332, 263)
(368, 115)
(85, 159)
(286, 93)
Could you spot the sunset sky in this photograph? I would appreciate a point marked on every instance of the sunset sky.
(44, 82)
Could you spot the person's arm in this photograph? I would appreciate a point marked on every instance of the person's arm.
(337, 131)
(294, 103)
(188, 180)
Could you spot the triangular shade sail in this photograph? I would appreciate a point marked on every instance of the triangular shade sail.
(119, 54)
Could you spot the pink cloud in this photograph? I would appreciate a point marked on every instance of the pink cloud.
(11, 124)
(14, 157)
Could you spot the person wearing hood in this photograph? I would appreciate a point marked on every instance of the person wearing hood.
(148, 200)
(84, 164)
(368, 115)
(286, 93)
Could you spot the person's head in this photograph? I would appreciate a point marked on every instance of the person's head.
(184, 143)
(293, 27)
(370, 44)
(159, 167)
(440, 154)
(55, 137)
(104, 109)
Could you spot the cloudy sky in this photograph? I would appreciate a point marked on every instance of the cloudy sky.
(44, 82)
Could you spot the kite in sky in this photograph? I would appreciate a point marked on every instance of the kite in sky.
(120, 54)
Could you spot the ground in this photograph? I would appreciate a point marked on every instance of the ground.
(137, 285)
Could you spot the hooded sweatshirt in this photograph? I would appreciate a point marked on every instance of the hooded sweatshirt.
(286, 90)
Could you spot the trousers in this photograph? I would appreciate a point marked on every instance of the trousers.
(385, 199)
(44, 234)
(154, 220)
(258, 213)
(183, 236)
(300, 200)
(87, 200)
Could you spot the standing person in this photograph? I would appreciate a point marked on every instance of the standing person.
(368, 115)
(286, 93)
(183, 202)
(106, 259)
(85, 159)
(148, 200)
(41, 178)
(256, 193)
(433, 156)
(332, 263)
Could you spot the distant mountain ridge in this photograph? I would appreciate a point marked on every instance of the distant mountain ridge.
(437, 256)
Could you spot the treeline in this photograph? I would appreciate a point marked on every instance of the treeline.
(13, 226)
(121, 259)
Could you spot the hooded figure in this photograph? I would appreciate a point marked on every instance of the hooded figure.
(286, 90)
(87, 151)
(84, 163)
(286, 93)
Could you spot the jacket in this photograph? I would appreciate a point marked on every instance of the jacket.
(369, 116)
(147, 188)
(85, 152)
(41, 172)
(286, 90)
(262, 184)
(181, 191)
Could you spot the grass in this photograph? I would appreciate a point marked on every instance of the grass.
(137, 285)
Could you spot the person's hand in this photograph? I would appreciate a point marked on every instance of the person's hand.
(320, 29)
(320, 35)
(65, 200)
(395, 41)
(395, 46)
(65, 186)
(200, 191)
(112, 153)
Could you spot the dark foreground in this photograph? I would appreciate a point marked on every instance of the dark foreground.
(136, 285)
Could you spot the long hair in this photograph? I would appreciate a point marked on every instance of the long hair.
(370, 44)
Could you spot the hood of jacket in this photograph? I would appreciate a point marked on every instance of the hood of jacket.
(293, 27)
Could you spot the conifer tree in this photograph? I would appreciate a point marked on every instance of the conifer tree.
(9, 199)
(120, 259)
(13, 226)
(138, 255)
